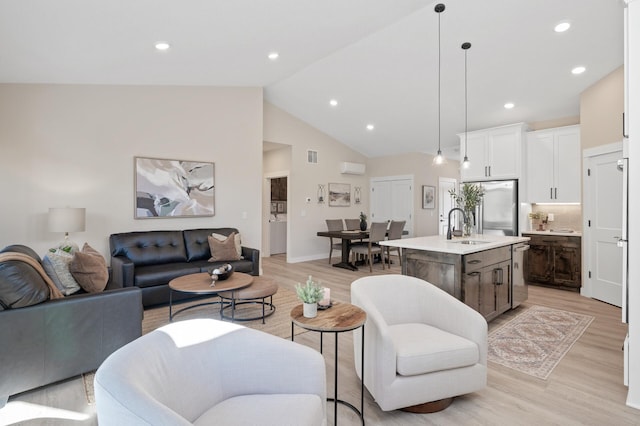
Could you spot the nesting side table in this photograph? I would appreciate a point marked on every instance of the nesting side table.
(339, 318)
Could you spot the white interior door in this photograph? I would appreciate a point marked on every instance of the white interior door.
(392, 199)
(380, 201)
(445, 202)
(402, 206)
(603, 191)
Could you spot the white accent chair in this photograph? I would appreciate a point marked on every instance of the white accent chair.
(422, 345)
(206, 372)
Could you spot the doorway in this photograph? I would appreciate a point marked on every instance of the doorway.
(445, 203)
(602, 196)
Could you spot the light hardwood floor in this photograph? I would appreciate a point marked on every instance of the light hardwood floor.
(584, 389)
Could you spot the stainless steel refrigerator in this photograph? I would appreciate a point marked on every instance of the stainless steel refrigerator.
(498, 213)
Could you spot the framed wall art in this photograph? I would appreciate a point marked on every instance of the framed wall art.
(428, 197)
(173, 188)
(339, 195)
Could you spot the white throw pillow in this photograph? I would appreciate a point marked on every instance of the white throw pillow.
(237, 241)
(56, 265)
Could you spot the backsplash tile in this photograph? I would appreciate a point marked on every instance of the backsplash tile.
(565, 216)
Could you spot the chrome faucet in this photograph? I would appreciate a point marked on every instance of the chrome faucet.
(464, 218)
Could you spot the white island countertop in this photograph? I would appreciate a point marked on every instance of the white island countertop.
(439, 243)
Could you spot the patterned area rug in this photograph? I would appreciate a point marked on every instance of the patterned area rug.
(278, 324)
(536, 340)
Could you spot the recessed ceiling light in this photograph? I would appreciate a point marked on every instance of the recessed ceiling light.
(562, 27)
(333, 102)
(370, 127)
(509, 105)
(162, 45)
(273, 56)
(578, 70)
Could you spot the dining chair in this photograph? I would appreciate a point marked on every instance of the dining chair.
(395, 233)
(352, 224)
(376, 234)
(334, 225)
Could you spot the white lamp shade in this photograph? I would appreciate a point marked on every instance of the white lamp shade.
(66, 219)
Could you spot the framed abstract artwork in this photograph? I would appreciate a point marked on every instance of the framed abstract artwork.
(428, 197)
(173, 188)
(339, 195)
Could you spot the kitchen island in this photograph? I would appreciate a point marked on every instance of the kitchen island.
(476, 270)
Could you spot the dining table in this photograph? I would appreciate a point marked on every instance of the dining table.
(347, 237)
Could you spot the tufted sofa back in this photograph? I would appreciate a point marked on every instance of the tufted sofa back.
(197, 244)
(149, 247)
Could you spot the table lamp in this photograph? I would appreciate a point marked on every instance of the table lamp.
(67, 219)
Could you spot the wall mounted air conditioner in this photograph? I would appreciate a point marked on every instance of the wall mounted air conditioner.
(351, 168)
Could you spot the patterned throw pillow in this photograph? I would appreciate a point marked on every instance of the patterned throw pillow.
(89, 269)
(223, 250)
(56, 265)
(237, 240)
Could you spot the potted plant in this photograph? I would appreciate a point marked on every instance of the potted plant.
(310, 294)
(541, 216)
(468, 199)
(363, 221)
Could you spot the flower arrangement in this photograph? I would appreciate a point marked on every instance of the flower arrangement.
(363, 217)
(311, 292)
(538, 215)
(469, 197)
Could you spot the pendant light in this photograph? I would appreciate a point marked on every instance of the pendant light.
(465, 162)
(439, 158)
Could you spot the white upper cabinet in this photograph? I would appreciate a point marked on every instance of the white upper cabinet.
(494, 153)
(553, 165)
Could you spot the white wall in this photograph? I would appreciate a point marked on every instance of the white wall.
(305, 219)
(426, 221)
(74, 146)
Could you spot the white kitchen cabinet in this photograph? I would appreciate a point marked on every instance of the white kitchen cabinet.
(553, 165)
(494, 153)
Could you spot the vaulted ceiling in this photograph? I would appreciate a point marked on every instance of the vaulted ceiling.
(377, 58)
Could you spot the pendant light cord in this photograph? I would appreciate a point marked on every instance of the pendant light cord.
(439, 72)
(465, 46)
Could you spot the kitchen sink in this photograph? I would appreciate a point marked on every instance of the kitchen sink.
(471, 242)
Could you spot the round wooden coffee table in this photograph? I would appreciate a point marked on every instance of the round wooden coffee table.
(201, 284)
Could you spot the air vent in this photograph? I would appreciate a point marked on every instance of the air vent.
(312, 156)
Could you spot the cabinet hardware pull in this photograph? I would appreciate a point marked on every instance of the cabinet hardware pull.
(473, 274)
(489, 170)
(623, 123)
(473, 262)
(555, 193)
(497, 276)
(551, 193)
(485, 171)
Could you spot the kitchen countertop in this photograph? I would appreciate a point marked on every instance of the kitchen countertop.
(439, 243)
(552, 232)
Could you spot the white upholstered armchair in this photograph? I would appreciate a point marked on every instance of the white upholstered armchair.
(207, 372)
(422, 345)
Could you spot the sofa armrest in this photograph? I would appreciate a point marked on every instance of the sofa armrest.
(66, 337)
(122, 272)
(254, 256)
